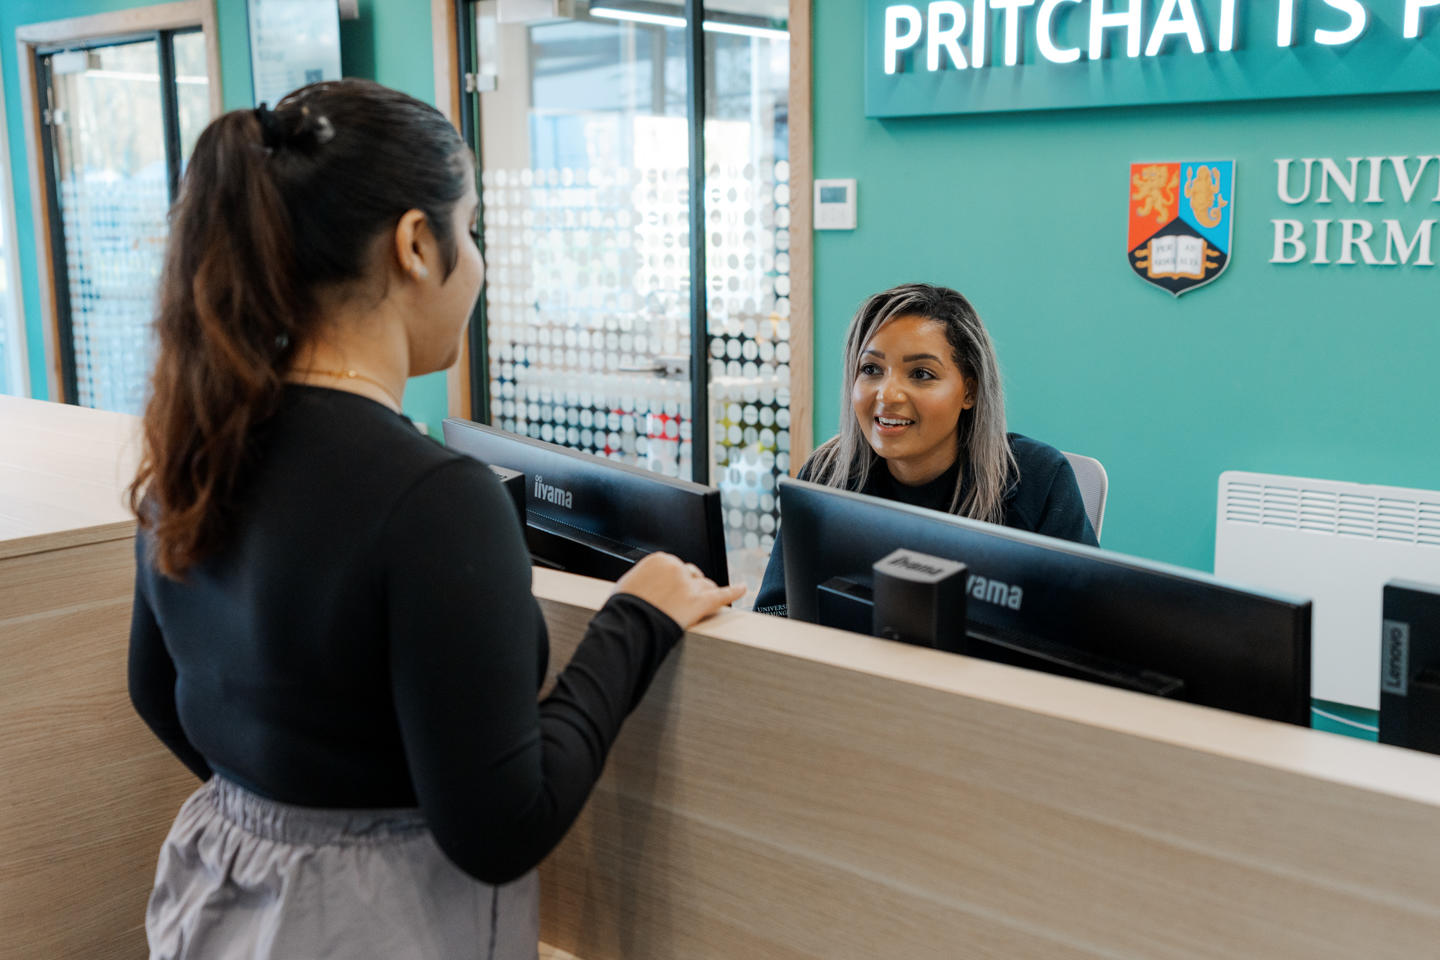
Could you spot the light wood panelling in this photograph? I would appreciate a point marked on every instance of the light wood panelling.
(457, 384)
(790, 791)
(16, 337)
(158, 16)
(445, 48)
(802, 241)
(40, 213)
(448, 100)
(211, 28)
(88, 793)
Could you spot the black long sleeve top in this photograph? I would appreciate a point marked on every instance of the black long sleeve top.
(367, 637)
(1044, 498)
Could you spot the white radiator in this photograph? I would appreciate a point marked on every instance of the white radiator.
(1336, 543)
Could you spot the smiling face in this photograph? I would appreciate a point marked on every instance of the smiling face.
(908, 397)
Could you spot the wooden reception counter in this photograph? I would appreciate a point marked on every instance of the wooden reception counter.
(784, 791)
(788, 791)
(86, 793)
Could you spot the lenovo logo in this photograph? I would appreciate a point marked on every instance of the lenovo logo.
(556, 495)
(1395, 657)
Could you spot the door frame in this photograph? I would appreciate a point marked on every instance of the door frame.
(31, 38)
(17, 377)
(445, 33)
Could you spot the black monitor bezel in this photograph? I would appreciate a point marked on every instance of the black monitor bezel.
(568, 541)
(942, 533)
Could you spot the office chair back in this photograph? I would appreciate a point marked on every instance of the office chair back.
(1094, 481)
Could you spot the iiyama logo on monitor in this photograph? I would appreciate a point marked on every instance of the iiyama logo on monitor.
(996, 592)
(556, 495)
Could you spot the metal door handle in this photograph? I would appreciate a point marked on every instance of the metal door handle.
(660, 367)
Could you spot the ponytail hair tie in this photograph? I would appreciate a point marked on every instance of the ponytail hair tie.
(272, 129)
(276, 131)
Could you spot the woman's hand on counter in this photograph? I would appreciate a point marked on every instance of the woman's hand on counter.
(677, 589)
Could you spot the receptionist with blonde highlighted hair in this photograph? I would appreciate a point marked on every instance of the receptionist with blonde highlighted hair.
(927, 426)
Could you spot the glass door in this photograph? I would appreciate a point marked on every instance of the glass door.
(584, 188)
(582, 120)
(120, 118)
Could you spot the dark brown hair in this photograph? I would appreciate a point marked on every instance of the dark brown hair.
(275, 207)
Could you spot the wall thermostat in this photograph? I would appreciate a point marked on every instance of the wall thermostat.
(835, 204)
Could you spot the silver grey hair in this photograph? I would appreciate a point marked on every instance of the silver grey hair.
(847, 459)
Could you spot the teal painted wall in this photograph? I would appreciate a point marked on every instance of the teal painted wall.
(390, 43)
(1324, 371)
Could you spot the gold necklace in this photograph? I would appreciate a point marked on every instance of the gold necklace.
(353, 374)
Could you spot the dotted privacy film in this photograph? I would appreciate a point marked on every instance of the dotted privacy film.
(108, 139)
(114, 242)
(586, 213)
(588, 312)
(586, 295)
(748, 221)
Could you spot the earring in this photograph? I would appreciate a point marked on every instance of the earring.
(419, 272)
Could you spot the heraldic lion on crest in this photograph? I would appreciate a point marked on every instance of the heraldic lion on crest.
(1155, 188)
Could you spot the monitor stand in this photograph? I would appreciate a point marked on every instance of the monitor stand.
(848, 604)
(579, 551)
(845, 605)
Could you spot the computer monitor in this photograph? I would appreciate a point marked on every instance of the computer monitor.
(597, 517)
(1410, 665)
(1057, 606)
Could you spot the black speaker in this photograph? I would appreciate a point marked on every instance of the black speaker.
(920, 599)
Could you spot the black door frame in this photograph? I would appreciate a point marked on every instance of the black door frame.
(695, 68)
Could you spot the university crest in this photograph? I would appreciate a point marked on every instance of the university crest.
(1180, 220)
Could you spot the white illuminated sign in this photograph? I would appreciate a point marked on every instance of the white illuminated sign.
(943, 29)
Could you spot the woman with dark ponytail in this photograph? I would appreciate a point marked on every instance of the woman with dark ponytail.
(333, 625)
